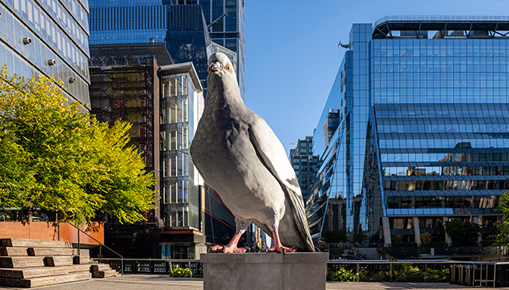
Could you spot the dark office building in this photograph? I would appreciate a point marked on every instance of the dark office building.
(305, 165)
(419, 113)
(125, 86)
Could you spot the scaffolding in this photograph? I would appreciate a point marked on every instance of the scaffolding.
(123, 88)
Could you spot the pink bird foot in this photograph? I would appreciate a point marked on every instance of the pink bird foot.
(281, 249)
(278, 247)
(226, 249)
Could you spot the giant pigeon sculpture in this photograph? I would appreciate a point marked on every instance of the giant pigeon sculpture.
(241, 158)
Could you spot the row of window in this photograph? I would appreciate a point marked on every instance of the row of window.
(445, 171)
(440, 116)
(438, 222)
(127, 36)
(443, 143)
(175, 192)
(444, 128)
(447, 185)
(438, 95)
(442, 79)
(128, 18)
(30, 12)
(442, 202)
(176, 216)
(455, 157)
(78, 89)
(14, 32)
(441, 47)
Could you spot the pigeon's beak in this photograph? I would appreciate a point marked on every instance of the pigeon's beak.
(214, 67)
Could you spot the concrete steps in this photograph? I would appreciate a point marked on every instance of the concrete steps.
(58, 261)
(13, 251)
(45, 281)
(102, 271)
(21, 262)
(104, 274)
(21, 273)
(33, 263)
(50, 251)
(34, 243)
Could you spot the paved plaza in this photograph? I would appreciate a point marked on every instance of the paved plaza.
(163, 282)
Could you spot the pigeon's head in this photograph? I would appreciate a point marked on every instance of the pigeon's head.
(220, 65)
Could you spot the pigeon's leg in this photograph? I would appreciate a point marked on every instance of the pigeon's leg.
(278, 247)
(241, 226)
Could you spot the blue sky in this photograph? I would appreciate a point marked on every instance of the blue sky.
(292, 54)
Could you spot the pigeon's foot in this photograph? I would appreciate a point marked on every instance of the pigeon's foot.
(226, 249)
(278, 247)
(281, 249)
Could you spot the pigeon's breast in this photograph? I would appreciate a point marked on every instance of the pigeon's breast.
(227, 160)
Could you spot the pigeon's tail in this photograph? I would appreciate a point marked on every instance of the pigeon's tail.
(293, 227)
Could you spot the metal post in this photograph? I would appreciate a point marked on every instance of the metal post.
(79, 245)
(473, 277)
(494, 274)
(358, 275)
(480, 278)
(390, 271)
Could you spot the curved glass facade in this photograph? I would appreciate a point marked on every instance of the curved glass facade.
(58, 45)
(424, 128)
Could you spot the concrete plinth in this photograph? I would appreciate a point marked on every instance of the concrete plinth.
(264, 271)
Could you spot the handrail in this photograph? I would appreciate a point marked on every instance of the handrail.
(100, 245)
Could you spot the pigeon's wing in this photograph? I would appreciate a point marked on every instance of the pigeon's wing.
(273, 154)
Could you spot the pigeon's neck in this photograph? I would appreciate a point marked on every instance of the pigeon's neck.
(220, 96)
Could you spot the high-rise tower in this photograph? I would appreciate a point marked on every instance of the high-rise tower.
(421, 133)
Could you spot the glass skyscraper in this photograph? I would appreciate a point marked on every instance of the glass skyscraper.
(415, 130)
(47, 37)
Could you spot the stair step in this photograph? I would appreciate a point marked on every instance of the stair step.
(20, 273)
(100, 267)
(34, 243)
(45, 281)
(50, 252)
(73, 277)
(82, 252)
(104, 274)
(58, 261)
(82, 260)
(13, 251)
(21, 262)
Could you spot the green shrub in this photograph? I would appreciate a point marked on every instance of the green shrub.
(407, 273)
(437, 275)
(176, 271)
(364, 275)
(342, 275)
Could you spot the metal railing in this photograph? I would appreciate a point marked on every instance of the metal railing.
(100, 248)
(461, 272)
(153, 266)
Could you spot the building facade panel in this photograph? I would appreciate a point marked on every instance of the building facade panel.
(47, 37)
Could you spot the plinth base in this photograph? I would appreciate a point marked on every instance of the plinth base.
(272, 271)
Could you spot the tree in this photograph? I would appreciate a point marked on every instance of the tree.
(56, 158)
(461, 232)
(503, 206)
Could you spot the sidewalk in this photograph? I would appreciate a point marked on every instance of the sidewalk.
(164, 282)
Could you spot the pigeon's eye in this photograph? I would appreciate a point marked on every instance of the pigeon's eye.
(208, 69)
(228, 68)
